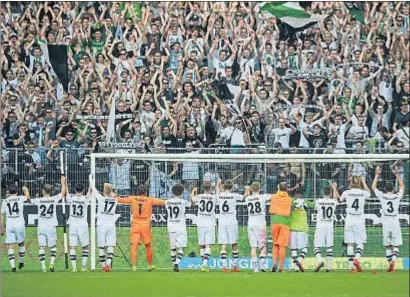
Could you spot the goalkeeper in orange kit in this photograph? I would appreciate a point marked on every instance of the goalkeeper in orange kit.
(141, 209)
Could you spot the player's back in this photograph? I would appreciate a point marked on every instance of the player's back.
(12, 207)
(325, 211)
(227, 208)
(355, 201)
(176, 214)
(78, 210)
(390, 203)
(47, 210)
(107, 206)
(256, 205)
(206, 210)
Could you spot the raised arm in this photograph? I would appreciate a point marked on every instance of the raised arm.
(376, 178)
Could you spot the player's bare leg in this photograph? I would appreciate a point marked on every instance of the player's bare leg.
(358, 254)
(262, 259)
(149, 254)
(42, 257)
(12, 260)
(22, 254)
(134, 255)
(53, 255)
(224, 258)
(84, 258)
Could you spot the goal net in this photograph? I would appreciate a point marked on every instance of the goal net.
(305, 174)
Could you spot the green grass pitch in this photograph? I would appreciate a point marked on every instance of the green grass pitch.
(31, 282)
(196, 284)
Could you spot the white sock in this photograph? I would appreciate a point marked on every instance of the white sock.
(223, 259)
(235, 256)
(262, 261)
(329, 258)
(101, 254)
(53, 255)
(359, 251)
(173, 255)
(11, 258)
(73, 258)
(201, 253)
(350, 256)
(179, 256)
(395, 253)
(318, 255)
(255, 263)
(207, 255)
(389, 255)
(84, 258)
(302, 255)
(110, 255)
(295, 259)
(42, 257)
(22, 253)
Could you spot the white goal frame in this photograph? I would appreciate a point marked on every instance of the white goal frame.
(229, 158)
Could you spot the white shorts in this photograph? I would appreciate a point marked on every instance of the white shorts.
(298, 240)
(106, 236)
(15, 234)
(392, 235)
(324, 236)
(227, 234)
(206, 235)
(178, 239)
(257, 237)
(78, 235)
(355, 232)
(47, 236)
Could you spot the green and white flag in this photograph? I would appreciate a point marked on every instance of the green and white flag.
(290, 13)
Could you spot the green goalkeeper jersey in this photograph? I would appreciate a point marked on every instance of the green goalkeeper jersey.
(298, 217)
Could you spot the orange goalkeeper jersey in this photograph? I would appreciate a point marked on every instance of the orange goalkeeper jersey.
(141, 207)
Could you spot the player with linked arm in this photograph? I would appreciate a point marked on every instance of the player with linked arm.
(47, 223)
(227, 222)
(106, 230)
(205, 221)
(355, 227)
(12, 209)
(141, 209)
(323, 238)
(390, 202)
(256, 205)
(176, 224)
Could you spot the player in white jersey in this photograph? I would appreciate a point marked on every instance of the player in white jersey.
(355, 228)
(325, 208)
(12, 209)
(78, 231)
(228, 223)
(390, 202)
(256, 205)
(177, 233)
(106, 231)
(47, 223)
(205, 222)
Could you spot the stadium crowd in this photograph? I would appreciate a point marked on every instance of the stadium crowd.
(190, 75)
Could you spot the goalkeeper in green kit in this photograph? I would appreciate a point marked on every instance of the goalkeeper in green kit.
(299, 231)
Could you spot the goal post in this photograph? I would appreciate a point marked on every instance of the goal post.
(307, 174)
